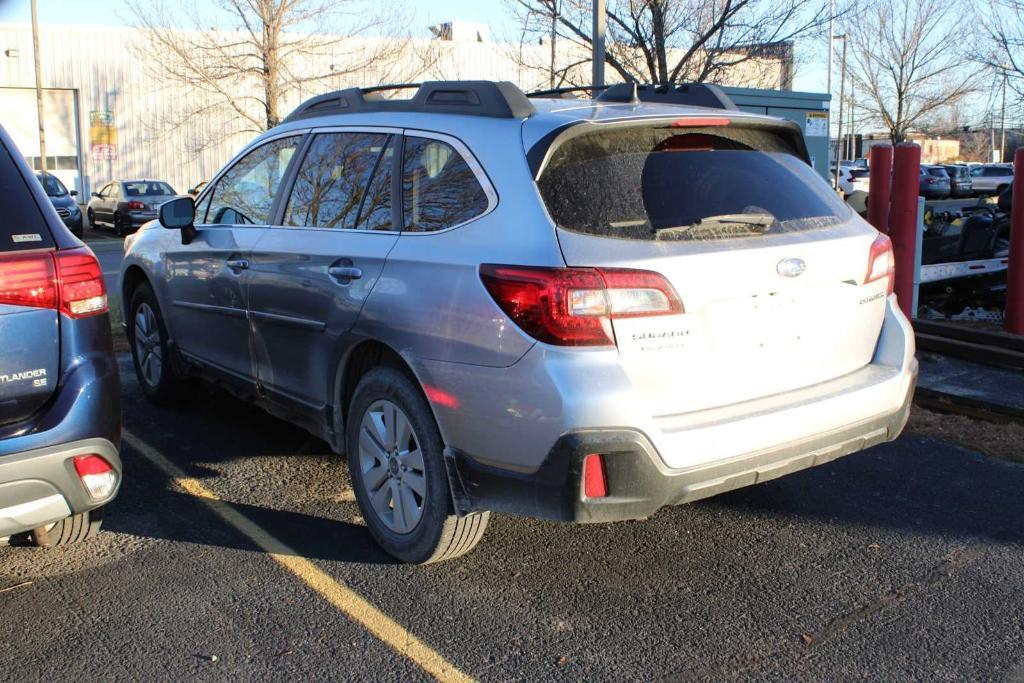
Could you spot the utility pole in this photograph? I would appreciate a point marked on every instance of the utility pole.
(554, 37)
(831, 42)
(839, 132)
(39, 89)
(1002, 121)
(598, 43)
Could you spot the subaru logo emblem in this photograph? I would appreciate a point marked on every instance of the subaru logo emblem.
(791, 267)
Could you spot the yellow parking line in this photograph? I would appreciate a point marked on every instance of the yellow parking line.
(393, 634)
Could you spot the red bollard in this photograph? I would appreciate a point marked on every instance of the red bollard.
(1015, 275)
(879, 186)
(903, 220)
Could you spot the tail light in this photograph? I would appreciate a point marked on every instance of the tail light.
(70, 281)
(575, 306)
(97, 476)
(136, 205)
(882, 263)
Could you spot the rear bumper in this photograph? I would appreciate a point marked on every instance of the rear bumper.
(41, 486)
(82, 417)
(658, 461)
(140, 218)
(639, 483)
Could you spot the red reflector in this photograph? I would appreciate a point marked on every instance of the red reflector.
(91, 464)
(595, 484)
(700, 121)
(441, 397)
(28, 279)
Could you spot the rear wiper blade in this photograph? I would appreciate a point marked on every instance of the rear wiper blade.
(732, 223)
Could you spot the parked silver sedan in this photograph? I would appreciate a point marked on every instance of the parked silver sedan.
(124, 205)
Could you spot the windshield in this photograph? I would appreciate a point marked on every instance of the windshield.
(147, 188)
(661, 183)
(51, 185)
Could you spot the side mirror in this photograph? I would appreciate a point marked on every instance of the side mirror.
(73, 193)
(95, 194)
(178, 213)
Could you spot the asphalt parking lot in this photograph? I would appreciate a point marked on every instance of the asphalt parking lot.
(902, 562)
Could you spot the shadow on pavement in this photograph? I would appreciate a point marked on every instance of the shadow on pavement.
(149, 507)
(915, 484)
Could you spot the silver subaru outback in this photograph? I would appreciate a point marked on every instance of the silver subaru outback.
(578, 310)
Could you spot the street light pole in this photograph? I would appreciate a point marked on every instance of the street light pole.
(598, 43)
(839, 132)
(39, 89)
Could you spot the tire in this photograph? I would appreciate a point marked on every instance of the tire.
(147, 337)
(73, 529)
(437, 533)
(92, 219)
(118, 228)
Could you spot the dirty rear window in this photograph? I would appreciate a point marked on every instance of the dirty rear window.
(22, 226)
(666, 183)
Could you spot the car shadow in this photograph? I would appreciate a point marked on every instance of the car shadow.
(915, 484)
(150, 506)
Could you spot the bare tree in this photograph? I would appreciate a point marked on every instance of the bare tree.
(905, 64)
(1002, 22)
(672, 41)
(261, 54)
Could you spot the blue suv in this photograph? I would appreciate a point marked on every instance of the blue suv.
(60, 411)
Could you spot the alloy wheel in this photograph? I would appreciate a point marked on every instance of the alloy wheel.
(391, 464)
(148, 353)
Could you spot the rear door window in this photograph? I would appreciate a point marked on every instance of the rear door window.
(22, 225)
(331, 184)
(244, 195)
(660, 182)
(439, 188)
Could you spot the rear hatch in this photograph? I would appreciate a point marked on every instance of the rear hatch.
(29, 321)
(770, 266)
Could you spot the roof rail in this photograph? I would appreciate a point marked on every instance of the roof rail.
(567, 92)
(501, 100)
(690, 94)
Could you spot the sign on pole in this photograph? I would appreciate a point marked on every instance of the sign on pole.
(102, 135)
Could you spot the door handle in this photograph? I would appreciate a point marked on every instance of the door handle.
(237, 264)
(345, 272)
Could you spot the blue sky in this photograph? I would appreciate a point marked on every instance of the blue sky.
(106, 11)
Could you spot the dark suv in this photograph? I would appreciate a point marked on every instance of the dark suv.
(60, 412)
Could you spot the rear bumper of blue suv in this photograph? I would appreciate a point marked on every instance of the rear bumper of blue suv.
(38, 480)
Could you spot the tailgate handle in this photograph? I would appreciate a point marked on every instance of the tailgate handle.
(345, 272)
(237, 264)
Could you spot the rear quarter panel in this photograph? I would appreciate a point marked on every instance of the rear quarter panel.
(430, 302)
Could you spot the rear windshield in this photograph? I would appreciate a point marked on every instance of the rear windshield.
(660, 182)
(939, 172)
(22, 226)
(147, 189)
